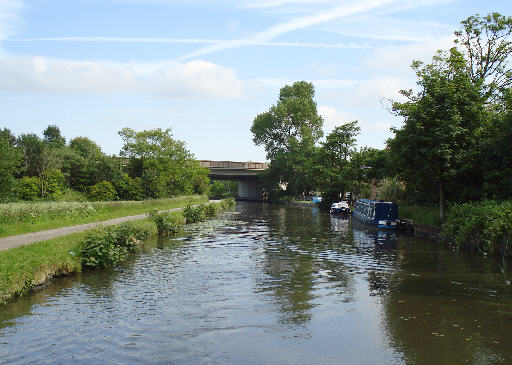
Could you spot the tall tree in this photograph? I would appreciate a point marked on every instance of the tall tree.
(487, 47)
(332, 163)
(167, 167)
(289, 131)
(442, 122)
(53, 137)
(10, 163)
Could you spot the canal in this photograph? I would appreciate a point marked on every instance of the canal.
(272, 284)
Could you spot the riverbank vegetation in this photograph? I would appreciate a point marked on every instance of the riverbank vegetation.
(484, 226)
(26, 267)
(151, 165)
(453, 147)
(25, 217)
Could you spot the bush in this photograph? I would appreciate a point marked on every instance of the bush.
(128, 188)
(484, 226)
(53, 184)
(103, 191)
(105, 247)
(28, 188)
(210, 211)
(194, 214)
(166, 222)
(8, 187)
(227, 203)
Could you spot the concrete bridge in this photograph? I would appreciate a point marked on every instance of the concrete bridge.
(246, 173)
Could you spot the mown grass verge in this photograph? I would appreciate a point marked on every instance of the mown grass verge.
(23, 268)
(19, 218)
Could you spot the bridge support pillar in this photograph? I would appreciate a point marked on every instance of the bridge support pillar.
(250, 190)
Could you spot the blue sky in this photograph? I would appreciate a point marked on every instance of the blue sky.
(206, 68)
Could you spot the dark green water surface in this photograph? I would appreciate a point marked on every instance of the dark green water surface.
(272, 284)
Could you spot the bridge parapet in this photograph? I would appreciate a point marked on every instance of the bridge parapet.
(234, 165)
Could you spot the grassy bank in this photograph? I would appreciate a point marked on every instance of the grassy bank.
(26, 267)
(484, 226)
(19, 218)
(428, 215)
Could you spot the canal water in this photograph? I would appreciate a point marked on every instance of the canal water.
(272, 284)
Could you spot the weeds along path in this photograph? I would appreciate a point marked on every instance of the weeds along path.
(28, 238)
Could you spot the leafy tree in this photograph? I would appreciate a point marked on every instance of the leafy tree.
(53, 138)
(289, 131)
(442, 122)
(223, 189)
(333, 163)
(85, 164)
(129, 188)
(496, 160)
(86, 148)
(166, 167)
(75, 168)
(52, 184)
(294, 119)
(103, 191)
(10, 163)
(34, 154)
(28, 188)
(487, 47)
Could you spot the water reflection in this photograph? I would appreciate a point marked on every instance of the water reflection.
(271, 284)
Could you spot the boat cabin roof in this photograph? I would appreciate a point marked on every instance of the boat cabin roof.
(374, 201)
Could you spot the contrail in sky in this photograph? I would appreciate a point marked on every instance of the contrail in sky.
(188, 41)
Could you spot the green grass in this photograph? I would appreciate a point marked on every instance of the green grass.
(19, 218)
(419, 214)
(23, 268)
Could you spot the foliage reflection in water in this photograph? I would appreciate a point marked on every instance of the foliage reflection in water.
(271, 284)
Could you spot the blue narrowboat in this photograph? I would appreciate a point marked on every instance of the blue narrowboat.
(380, 213)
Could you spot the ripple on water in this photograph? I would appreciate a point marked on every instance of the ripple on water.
(264, 285)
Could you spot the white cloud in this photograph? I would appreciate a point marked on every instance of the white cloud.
(165, 79)
(366, 93)
(396, 60)
(334, 117)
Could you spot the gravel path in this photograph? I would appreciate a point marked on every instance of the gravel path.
(28, 238)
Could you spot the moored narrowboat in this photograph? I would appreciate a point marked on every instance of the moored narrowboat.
(340, 208)
(377, 212)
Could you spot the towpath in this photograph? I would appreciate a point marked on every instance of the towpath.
(28, 238)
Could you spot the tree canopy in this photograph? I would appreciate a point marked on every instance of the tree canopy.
(289, 131)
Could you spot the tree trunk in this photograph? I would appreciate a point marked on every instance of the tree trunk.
(442, 207)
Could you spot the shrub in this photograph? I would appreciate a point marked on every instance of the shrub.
(105, 247)
(227, 203)
(166, 222)
(484, 226)
(8, 187)
(28, 188)
(129, 188)
(194, 214)
(210, 211)
(53, 184)
(103, 191)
